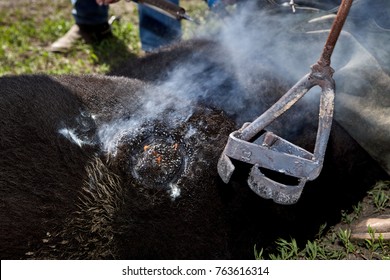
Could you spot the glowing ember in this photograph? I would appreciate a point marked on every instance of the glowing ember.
(158, 162)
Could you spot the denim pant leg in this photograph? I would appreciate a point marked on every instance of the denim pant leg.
(156, 29)
(89, 13)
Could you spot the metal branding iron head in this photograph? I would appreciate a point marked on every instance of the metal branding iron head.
(272, 152)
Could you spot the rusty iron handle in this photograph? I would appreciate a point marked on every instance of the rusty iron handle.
(335, 31)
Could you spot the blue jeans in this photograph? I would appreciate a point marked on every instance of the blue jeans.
(89, 13)
(156, 29)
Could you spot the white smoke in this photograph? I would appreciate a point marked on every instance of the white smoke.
(72, 136)
(250, 43)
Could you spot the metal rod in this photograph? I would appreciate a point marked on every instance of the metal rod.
(335, 31)
(165, 7)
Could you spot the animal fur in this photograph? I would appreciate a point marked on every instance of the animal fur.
(64, 195)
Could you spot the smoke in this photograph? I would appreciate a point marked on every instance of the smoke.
(72, 136)
(256, 54)
(170, 101)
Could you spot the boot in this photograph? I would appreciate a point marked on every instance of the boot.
(88, 33)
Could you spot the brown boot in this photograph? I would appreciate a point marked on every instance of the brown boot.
(89, 33)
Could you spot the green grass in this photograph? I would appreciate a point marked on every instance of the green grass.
(334, 246)
(24, 49)
(377, 246)
(380, 196)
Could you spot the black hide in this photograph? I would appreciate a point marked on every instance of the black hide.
(65, 194)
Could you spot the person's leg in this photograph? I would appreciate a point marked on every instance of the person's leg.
(87, 12)
(156, 29)
(91, 25)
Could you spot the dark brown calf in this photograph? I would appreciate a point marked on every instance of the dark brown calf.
(110, 167)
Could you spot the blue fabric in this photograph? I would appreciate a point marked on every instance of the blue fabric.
(212, 3)
(156, 29)
(88, 12)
